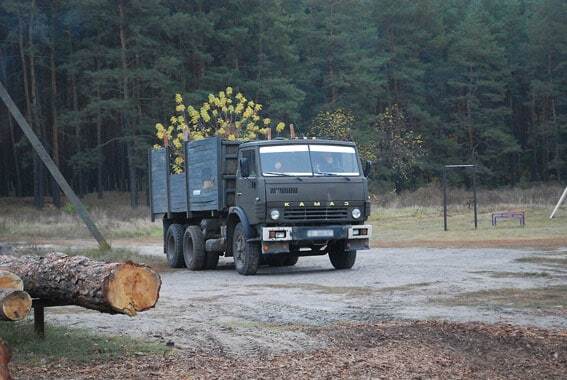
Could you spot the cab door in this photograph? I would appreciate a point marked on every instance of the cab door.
(247, 187)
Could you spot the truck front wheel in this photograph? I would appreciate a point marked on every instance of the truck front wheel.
(174, 246)
(246, 255)
(340, 257)
(194, 248)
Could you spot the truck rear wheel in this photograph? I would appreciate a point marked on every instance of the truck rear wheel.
(194, 248)
(246, 254)
(340, 257)
(174, 246)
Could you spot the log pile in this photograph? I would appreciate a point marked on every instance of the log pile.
(115, 288)
(15, 304)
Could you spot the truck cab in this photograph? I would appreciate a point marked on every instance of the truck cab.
(276, 200)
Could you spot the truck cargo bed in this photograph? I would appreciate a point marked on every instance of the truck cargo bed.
(207, 184)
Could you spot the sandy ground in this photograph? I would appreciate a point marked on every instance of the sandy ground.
(222, 312)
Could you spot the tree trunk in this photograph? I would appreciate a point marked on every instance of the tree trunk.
(125, 122)
(5, 356)
(75, 96)
(115, 288)
(17, 173)
(54, 127)
(39, 177)
(9, 280)
(15, 304)
(100, 164)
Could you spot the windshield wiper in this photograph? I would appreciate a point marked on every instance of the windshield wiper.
(278, 174)
(328, 174)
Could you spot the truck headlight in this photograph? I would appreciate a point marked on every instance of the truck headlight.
(275, 214)
(356, 213)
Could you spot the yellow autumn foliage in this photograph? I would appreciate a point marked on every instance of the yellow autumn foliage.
(231, 118)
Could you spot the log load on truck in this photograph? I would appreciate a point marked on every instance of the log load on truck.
(261, 202)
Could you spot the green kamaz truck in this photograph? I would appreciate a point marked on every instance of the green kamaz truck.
(262, 202)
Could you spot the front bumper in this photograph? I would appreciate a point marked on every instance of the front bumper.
(281, 239)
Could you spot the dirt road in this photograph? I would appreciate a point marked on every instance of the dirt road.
(222, 312)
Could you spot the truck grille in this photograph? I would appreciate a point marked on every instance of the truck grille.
(316, 213)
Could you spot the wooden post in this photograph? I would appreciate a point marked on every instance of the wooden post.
(39, 318)
(445, 198)
(475, 198)
(292, 131)
(52, 167)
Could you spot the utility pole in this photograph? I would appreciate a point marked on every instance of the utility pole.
(52, 167)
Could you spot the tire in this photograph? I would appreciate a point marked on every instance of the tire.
(276, 260)
(291, 260)
(281, 260)
(246, 255)
(174, 246)
(194, 248)
(212, 260)
(341, 258)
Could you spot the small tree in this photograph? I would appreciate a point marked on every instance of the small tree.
(397, 147)
(335, 125)
(224, 115)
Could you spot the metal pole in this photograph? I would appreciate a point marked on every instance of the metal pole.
(445, 198)
(52, 167)
(474, 192)
(563, 196)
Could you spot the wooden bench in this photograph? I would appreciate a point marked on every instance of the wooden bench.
(503, 215)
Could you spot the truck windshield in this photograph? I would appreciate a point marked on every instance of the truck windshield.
(309, 160)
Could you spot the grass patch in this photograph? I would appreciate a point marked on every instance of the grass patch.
(322, 289)
(344, 290)
(551, 297)
(545, 260)
(113, 215)
(406, 287)
(74, 345)
(425, 224)
(513, 274)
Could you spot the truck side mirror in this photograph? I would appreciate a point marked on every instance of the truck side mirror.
(244, 168)
(367, 168)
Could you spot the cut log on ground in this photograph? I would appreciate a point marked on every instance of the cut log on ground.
(9, 280)
(115, 288)
(5, 357)
(15, 304)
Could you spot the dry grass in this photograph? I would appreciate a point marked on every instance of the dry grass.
(549, 298)
(414, 219)
(542, 195)
(423, 226)
(19, 220)
(390, 350)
